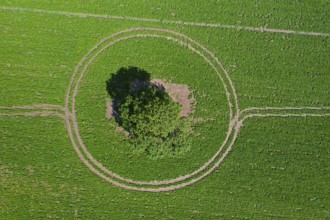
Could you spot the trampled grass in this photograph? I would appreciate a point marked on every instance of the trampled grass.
(278, 167)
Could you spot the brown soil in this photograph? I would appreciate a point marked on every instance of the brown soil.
(109, 108)
(181, 94)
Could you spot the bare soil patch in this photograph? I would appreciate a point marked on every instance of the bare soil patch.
(109, 112)
(181, 94)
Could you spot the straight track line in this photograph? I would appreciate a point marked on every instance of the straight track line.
(284, 115)
(44, 111)
(34, 114)
(284, 109)
(34, 107)
(284, 112)
(183, 23)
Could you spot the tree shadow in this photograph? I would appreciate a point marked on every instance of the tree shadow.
(124, 82)
(119, 83)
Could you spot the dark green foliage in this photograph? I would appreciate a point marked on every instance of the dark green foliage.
(153, 121)
(148, 113)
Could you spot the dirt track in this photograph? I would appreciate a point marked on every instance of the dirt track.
(43, 110)
(171, 187)
(75, 92)
(173, 22)
(237, 117)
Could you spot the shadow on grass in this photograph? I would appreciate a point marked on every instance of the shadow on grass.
(119, 83)
(128, 81)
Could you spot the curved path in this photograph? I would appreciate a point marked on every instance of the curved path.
(237, 117)
(244, 115)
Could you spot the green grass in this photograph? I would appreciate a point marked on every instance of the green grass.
(156, 57)
(278, 168)
(297, 15)
(46, 52)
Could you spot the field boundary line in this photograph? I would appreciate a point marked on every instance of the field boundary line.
(166, 21)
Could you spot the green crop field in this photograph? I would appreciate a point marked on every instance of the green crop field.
(259, 72)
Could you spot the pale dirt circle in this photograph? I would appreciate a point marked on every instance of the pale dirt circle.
(164, 185)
